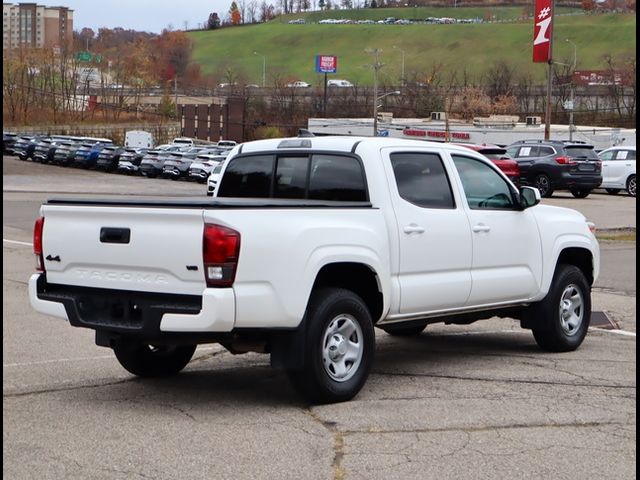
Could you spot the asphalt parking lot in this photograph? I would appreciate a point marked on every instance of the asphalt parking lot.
(477, 401)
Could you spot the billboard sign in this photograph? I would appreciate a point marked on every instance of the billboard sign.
(326, 64)
(597, 77)
(543, 31)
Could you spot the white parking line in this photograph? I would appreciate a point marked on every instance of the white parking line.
(74, 359)
(59, 360)
(17, 242)
(617, 332)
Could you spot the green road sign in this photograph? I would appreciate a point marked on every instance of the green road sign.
(98, 58)
(84, 56)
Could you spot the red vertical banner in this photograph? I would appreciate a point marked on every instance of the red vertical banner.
(543, 31)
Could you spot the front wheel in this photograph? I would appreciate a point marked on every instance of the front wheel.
(339, 347)
(543, 184)
(631, 186)
(152, 361)
(581, 193)
(560, 321)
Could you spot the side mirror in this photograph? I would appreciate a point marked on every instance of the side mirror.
(529, 196)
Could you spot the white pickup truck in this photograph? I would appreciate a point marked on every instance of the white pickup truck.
(307, 245)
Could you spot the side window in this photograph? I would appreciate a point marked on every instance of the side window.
(626, 155)
(528, 152)
(291, 177)
(607, 155)
(336, 177)
(513, 151)
(248, 177)
(545, 151)
(483, 186)
(422, 180)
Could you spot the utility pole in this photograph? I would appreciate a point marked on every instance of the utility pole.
(572, 100)
(376, 65)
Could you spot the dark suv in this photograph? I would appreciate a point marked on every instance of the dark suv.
(552, 165)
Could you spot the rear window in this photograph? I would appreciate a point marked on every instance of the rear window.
(584, 152)
(316, 177)
(494, 153)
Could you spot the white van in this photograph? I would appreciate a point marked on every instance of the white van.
(339, 83)
(138, 139)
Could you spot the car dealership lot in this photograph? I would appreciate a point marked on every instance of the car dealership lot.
(477, 401)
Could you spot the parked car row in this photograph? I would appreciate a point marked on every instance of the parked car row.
(548, 165)
(183, 159)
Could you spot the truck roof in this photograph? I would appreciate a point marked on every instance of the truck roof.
(338, 144)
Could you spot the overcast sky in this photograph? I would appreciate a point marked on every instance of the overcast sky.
(142, 15)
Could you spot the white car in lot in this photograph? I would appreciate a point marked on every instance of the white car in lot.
(339, 83)
(298, 84)
(619, 169)
(214, 177)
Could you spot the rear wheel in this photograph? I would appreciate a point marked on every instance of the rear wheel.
(581, 192)
(631, 186)
(339, 347)
(560, 321)
(543, 184)
(613, 191)
(152, 361)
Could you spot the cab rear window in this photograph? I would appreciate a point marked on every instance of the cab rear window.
(297, 176)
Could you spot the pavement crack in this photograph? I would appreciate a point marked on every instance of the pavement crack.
(490, 428)
(339, 472)
(501, 380)
(65, 389)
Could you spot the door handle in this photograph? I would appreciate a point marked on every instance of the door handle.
(481, 228)
(413, 228)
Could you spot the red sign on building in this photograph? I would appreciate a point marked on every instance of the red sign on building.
(414, 132)
(543, 31)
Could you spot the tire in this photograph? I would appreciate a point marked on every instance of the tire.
(631, 186)
(561, 320)
(152, 361)
(581, 193)
(336, 319)
(404, 330)
(543, 184)
(613, 191)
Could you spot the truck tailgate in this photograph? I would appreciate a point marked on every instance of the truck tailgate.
(146, 249)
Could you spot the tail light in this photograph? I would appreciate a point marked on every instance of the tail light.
(37, 243)
(565, 160)
(220, 251)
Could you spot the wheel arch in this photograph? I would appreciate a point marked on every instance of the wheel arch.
(359, 278)
(581, 258)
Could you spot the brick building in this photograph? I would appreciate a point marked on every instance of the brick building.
(35, 26)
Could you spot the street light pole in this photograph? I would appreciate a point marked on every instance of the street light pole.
(375, 106)
(377, 65)
(575, 59)
(402, 79)
(264, 68)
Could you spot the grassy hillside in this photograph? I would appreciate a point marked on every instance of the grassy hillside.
(290, 49)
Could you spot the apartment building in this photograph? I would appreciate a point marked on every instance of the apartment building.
(33, 25)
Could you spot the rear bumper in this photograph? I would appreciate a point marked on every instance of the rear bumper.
(142, 314)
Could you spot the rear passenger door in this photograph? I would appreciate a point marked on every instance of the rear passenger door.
(434, 237)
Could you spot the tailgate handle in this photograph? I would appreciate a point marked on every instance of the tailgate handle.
(115, 235)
